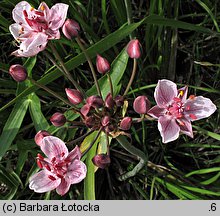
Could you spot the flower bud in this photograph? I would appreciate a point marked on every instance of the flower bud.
(141, 104)
(89, 121)
(75, 96)
(70, 28)
(101, 160)
(133, 49)
(85, 109)
(105, 121)
(95, 101)
(109, 102)
(119, 100)
(126, 123)
(102, 64)
(58, 119)
(40, 135)
(18, 72)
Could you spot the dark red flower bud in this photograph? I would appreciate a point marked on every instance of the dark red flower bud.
(89, 121)
(18, 72)
(75, 96)
(141, 104)
(95, 101)
(119, 100)
(102, 64)
(133, 49)
(70, 28)
(101, 160)
(40, 135)
(126, 123)
(58, 119)
(85, 109)
(109, 102)
(105, 121)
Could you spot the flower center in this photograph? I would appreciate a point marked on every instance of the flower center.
(36, 20)
(176, 108)
(57, 167)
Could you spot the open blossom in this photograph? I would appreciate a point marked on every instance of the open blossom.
(60, 169)
(34, 27)
(175, 112)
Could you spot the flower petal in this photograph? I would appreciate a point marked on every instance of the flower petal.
(15, 29)
(186, 127)
(17, 12)
(32, 45)
(75, 154)
(169, 129)
(76, 172)
(182, 93)
(54, 147)
(58, 15)
(164, 93)
(63, 188)
(198, 108)
(45, 9)
(41, 183)
(156, 111)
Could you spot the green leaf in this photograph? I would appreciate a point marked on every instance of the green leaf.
(203, 171)
(12, 125)
(40, 122)
(208, 133)
(89, 181)
(178, 191)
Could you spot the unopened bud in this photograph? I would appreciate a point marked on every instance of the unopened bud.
(95, 101)
(126, 123)
(141, 104)
(119, 100)
(40, 135)
(109, 102)
(102, 64)
(85, 110)
(133, 49)
(70, 28)
(58, 119)
(75, 96)
(105, 121)
(101, 160)
(18, 72)
(89, 121)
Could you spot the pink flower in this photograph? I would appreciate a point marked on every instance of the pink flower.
(34, 27)
(60, 168)
(175, 112)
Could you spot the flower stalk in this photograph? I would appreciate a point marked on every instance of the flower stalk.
(131, 149)
(132, 76)
(90, 65)
(52, 93)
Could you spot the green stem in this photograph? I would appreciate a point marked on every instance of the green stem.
(132, 76)
(56, 54)
(52, 93)
(90, 65)
(133, 150)
(128, 11)
(110, 84)
(79, 138)
(47, 54)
